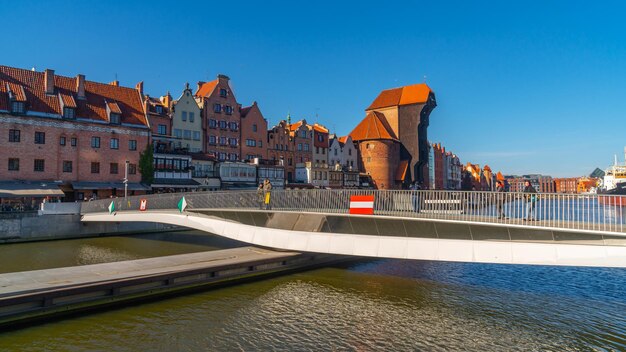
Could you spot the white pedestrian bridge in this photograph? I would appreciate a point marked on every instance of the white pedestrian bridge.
(484, 227)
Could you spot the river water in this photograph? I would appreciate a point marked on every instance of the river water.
(377, 305)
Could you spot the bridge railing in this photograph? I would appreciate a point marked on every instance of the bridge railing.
(567, 211)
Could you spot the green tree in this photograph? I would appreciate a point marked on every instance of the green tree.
(146, 164)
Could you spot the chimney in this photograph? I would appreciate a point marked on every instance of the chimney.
(223, 78)
(49, 81)
(139, 88)
(80, 86)
(115, 83)
(200, 83)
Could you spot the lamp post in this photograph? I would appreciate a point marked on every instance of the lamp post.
(126, 179)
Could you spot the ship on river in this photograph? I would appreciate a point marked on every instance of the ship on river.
(614, 183)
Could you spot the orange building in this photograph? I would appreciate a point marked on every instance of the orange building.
(379, 151)
(406, 113)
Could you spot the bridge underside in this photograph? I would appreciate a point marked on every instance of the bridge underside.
(393, 237)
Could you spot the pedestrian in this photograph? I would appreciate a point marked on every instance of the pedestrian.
(260, 195)
(531, 199)
(267, 190)
(500, 190)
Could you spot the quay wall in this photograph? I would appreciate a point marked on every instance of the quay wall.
(30, 226)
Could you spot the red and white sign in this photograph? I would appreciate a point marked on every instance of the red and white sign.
(143, 204)
(362, 205)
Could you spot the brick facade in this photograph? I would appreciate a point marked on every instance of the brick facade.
(253, 133)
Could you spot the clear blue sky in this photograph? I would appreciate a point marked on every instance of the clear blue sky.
(526, 87)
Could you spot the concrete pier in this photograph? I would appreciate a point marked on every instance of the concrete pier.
(35, 295)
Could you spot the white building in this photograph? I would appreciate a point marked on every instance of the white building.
(342, 151)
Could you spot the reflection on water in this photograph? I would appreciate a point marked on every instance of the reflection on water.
(62, 253)
(382, 305)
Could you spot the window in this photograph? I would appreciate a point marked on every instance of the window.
(162, 129)
(69, 113)
(17, 107)
(250, 143)
(349, 151)
(132, 144)
(228, 109)
(40, 165)
(132, 169)
(178, 133)
(223, 125)
(14, 164)
(335, 152)
(254, 128)
(233, 156)
(306, 147)
(116, 119)
(212, 123)
(73, 141)
(95, 142)
(114, 168)
(223, 93)
(260, 144)
(40, 138)
(67, 166)
(317, 150)
(233, 126)
(223, 140)
(323, 151)
(233, 142)
(217, 108)
(14, 136)
(196, 135)
(299, 147)
(187, 134)
(115, 143)
(191, 117)
(212, 140)
(95, 168)
(62, 141)
(158, 109)
(369, 159)
(184, 116)
(222, 156)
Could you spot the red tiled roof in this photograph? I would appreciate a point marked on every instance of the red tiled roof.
(114, 107)
(294, 126)
(92, 107)
(68, 101)
(413, 94)
(320, 128)
(206, 88)
(17, 91)
(373, 126)
(343, 139)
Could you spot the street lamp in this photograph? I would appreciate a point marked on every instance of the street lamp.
(126, 180)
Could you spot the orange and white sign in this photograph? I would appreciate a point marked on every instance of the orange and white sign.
(143, 204)
(362, 205)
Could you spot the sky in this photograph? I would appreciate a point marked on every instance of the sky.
(525, 87)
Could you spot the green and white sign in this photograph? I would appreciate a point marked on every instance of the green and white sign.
(182, 204)
(111, 207)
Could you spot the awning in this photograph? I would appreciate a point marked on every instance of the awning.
(401, 170)
(174, 183)
(79, 186)
(18, 189)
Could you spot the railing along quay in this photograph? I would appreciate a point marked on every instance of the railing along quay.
(562, 211)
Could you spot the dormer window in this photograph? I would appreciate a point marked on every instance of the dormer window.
(116, 119)
(159, 109)
(17, 107)
(69, 113)
(223, 93)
